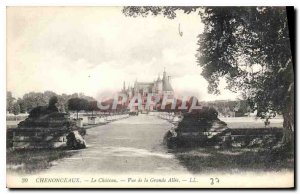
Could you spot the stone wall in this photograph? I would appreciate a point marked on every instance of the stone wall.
(38, 138)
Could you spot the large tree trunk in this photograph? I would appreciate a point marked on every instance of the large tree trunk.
(288, 123)
(289, 109)
(288, 128)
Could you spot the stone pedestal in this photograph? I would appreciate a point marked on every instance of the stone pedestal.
(102, 120)
(92, 120)
(79, 122)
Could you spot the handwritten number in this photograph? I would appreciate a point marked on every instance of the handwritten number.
(214, 181)
(24, 180)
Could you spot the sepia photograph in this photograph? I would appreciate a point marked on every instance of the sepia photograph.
(150, 97)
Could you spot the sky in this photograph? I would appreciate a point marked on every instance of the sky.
(92, 50)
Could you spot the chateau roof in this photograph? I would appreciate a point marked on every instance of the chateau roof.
(166, 85)
(144, 83)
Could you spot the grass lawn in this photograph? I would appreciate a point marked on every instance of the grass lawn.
(208, 160)
(250, 122)
(235, 160)
(34, 160)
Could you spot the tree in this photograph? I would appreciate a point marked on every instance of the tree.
(93, 107)
(168, 12)
(16, 109)
(22, 105)
(34, 99)
(250, 48)
(9, 102)
(77, 104)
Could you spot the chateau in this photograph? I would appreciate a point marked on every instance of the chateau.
(158, 87)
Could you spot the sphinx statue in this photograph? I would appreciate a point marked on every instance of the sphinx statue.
(46, 116)
(47, 127)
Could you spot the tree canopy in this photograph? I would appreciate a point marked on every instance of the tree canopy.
(78, 104)
(16, 109)
(33, 99)
(92, 106)
(250, 48)
(9, 101)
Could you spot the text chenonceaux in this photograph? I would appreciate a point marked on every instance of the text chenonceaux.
(58, 180)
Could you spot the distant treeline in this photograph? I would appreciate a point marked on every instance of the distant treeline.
(33, 99)
(228, 108)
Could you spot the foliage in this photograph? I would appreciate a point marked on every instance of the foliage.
(9, 101)
(92, 106)
(16, 109)
(250, 47)
(77, 104)
(144, 11)
(22, 105)
(240, 107)
(34, 99)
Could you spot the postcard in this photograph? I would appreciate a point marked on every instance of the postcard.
(150, 97)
